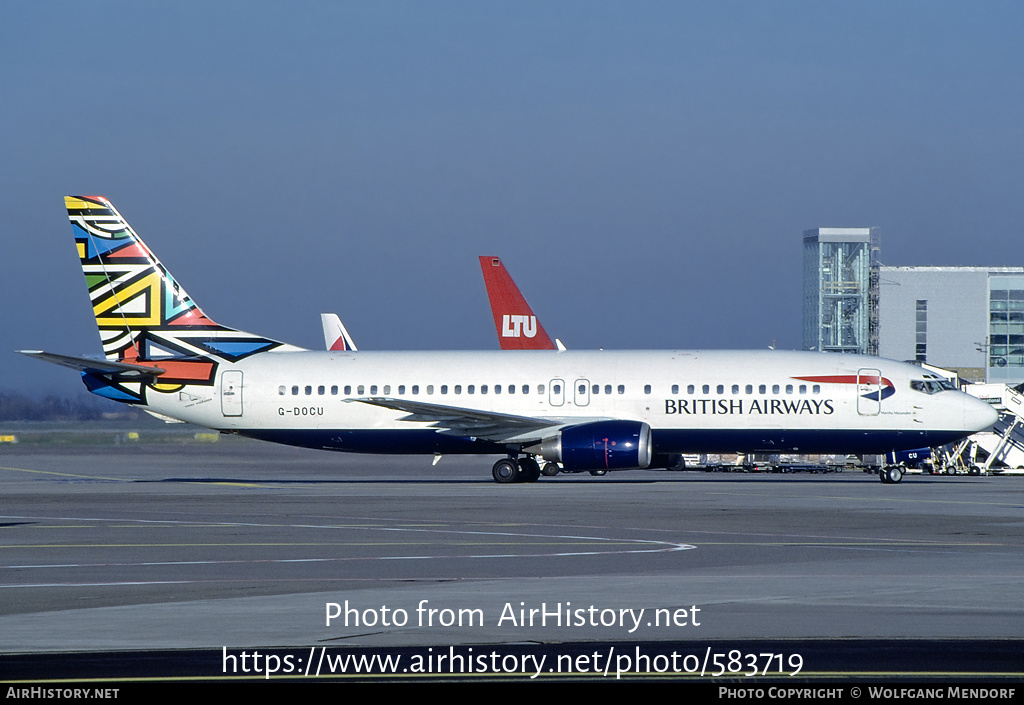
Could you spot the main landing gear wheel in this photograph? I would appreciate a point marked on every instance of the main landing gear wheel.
(549, 469)
(529, 469)
(505, 470)
(598, 473)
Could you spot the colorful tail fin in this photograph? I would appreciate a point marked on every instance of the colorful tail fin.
(514, 320)
(142, 313)
(336, 337)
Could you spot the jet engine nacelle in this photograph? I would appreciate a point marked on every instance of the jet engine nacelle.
(600, 445)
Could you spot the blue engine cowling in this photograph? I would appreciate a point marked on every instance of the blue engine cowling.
(600, 445)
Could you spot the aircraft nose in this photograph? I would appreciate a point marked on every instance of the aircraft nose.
(978, 415)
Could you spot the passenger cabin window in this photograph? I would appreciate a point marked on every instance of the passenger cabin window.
(309, 390)
(334, 389)
(321, 389)
(647, 389)
(622, 389)
(675, 389)
(281, 390)
(607, 389)
(348, 389)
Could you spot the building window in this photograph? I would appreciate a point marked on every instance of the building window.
(921, 331)
(1006, 328)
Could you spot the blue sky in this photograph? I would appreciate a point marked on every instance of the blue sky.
(645, 169)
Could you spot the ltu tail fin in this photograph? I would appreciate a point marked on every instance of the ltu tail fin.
(514, 320)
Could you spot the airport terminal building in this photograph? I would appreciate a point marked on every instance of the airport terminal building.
(968, 319)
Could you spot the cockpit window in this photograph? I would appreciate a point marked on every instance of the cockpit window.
(931, 386)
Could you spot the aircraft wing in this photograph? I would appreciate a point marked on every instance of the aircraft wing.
(486, 425)
(96, 367)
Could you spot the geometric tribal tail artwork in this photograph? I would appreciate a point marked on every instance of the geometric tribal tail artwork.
(142, 313)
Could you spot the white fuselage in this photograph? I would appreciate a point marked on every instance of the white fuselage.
(693, 401)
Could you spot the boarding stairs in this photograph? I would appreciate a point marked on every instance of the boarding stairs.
(997, 450)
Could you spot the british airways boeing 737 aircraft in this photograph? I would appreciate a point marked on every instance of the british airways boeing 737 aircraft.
(588, 410)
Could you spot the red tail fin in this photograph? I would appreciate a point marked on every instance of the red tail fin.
(514, 320)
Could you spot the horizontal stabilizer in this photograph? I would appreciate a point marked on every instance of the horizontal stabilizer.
(93, 366)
